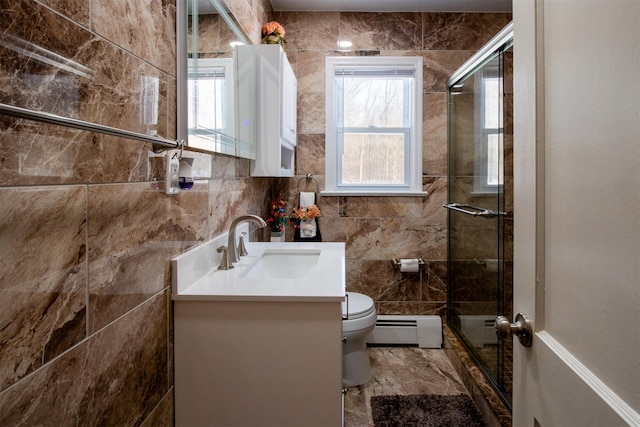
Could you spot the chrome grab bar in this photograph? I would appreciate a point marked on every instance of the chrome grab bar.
(466, 209)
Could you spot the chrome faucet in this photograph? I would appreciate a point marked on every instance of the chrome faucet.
(232, 249)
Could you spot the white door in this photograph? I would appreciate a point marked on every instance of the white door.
(577, 211)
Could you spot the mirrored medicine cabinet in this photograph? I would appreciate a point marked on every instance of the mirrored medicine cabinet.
(216, 80)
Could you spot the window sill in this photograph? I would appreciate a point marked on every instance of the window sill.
(375, 193)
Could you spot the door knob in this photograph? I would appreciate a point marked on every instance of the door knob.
(520, 328)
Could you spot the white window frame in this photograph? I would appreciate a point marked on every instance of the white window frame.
(413, 153)
(481, 163)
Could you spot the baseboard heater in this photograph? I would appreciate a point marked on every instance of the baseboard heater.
(423, 331)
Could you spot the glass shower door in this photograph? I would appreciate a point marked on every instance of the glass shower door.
(479, 209)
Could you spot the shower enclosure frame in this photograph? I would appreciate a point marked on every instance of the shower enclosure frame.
(460, 270)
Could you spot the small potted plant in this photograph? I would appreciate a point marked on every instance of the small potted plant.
(277, 219)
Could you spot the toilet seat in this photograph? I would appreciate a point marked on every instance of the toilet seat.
(359, 306)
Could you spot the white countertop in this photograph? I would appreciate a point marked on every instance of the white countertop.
(196, 277)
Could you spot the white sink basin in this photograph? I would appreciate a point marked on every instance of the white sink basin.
(283, 264)
(291, 271)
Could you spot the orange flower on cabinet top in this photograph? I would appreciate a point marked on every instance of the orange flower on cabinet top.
(273, 33)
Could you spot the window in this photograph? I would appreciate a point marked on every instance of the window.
(210, 98)
(489, 133)
(374, 125)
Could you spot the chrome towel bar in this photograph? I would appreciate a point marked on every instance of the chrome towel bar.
(41, 116)
(474, 211)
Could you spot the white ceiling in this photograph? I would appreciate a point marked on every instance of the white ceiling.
(393, 5)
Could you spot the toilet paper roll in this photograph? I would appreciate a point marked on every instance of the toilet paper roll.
(411, 265)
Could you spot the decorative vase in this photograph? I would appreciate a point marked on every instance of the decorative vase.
(273, 39)
(308, 228)
(277, 236)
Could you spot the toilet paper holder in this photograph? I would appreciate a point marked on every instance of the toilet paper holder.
(396, 263)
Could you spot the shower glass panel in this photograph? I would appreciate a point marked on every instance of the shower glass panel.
(480, 208)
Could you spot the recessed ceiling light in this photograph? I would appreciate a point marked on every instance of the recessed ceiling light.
(344, 44)
(236, 43)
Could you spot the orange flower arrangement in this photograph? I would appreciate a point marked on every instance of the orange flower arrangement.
(303, 213)
(273, 33)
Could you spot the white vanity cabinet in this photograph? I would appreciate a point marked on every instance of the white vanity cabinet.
(259, 344)
(276, 129)
(258, 363)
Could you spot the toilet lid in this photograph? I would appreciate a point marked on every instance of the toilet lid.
(359, 305)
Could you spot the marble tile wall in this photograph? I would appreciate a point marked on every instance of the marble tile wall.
(86, 231)
(377, 229)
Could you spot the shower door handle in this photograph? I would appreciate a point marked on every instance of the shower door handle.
(520, 328)
(473, 210)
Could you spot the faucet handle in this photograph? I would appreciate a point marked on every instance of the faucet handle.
(242, 249)
(225, 263)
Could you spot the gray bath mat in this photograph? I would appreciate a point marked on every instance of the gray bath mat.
(425, 410)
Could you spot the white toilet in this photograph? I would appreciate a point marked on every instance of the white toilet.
(360, 320)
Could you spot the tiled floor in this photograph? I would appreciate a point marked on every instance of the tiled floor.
(401, 370)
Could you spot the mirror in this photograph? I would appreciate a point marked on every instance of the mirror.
(216, 80)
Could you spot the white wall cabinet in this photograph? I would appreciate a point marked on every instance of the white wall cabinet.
(277, 114)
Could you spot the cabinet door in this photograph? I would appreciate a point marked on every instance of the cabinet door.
(289, 102)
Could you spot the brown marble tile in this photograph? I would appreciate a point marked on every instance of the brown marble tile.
(411, 238)
(439, 65)
(355, 408)
(209, 27)
(83, 83)
(434, 113)
(328, 205)
(362, 236)
(167, 112)
(214, 37)
(437, 188)
(250, 22)
(491, 407)
(399, 206)
(434, 154)
(413, 370)
(434, 281)
(401, 371)
(162, 415)
(412, 308)
(461, 31)
(310, 154)
(132, 235)
(378, 31)
(117, 377)
(381, 281)
(38, 153)
(311, 70)
(78, 10)
(229, 198)
(311, 113)
(32, 28)
(42, 276)
(395, 286)
(310, 30)
(147, 29)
